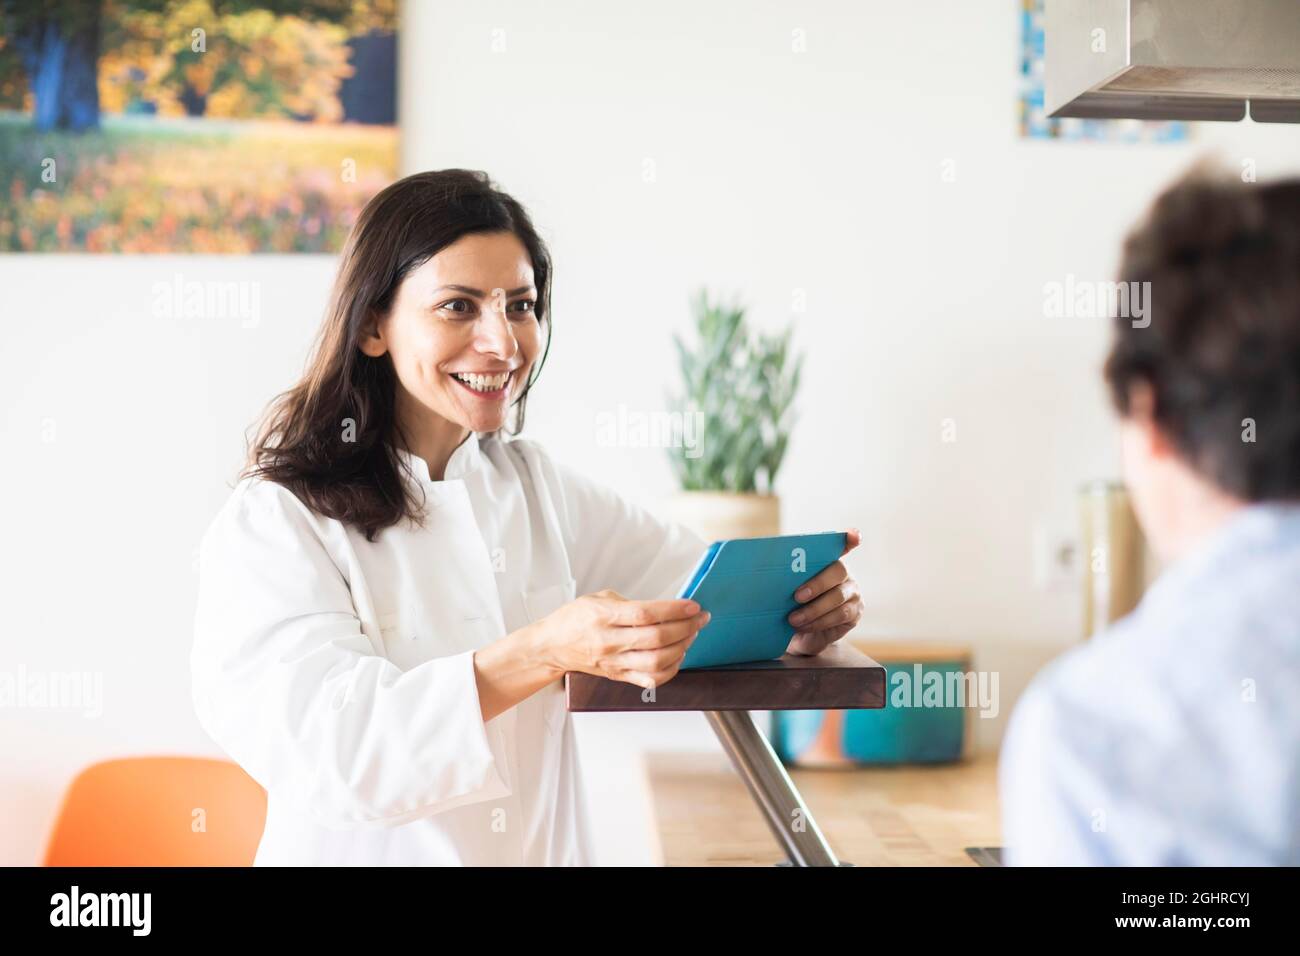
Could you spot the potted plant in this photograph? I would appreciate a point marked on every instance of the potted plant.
(739, 387)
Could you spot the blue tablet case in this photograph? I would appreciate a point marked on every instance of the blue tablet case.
(747, 585)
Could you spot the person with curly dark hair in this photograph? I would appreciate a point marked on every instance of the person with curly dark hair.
(1174, 737)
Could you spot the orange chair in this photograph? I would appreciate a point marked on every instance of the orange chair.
(159, 811)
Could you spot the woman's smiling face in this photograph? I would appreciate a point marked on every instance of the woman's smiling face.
(463, 333)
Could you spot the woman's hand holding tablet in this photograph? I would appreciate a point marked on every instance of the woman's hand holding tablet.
(832, 605)
(608, 635)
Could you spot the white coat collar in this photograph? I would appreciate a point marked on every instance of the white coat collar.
(464, 460)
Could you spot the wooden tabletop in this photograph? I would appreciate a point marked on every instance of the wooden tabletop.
(840, 678)
(885, 816)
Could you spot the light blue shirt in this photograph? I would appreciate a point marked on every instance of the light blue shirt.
(1174, 737)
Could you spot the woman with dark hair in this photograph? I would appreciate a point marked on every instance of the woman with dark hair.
(1174, 737)
(390, 596)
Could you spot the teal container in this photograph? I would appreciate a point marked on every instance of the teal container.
(893, 735)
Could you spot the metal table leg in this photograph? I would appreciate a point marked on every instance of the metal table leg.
(782, 807)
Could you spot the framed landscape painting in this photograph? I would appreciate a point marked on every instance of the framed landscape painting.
(205, 126)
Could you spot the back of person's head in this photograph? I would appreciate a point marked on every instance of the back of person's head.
(1221, 352)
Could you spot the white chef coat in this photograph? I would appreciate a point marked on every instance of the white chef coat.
(339, 672)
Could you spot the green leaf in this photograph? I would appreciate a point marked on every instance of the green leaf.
(744, 384)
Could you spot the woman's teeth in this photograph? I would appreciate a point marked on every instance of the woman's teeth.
(483, 383)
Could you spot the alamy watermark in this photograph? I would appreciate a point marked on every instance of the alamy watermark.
(53, 690)
(208, 299)
(636, 428)
(1082, 299)
(930, 687)
(132, 911)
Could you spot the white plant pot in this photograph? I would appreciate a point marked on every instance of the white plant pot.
(719, 515)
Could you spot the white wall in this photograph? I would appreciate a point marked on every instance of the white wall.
(775, 172)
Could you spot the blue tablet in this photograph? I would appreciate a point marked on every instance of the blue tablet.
(747, 585)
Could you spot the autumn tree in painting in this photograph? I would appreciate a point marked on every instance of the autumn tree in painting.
(209, 126)
(282, 58)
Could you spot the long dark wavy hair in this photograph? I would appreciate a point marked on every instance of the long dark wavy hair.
(327, 439)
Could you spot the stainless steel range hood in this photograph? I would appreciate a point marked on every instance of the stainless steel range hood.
(1173, 59)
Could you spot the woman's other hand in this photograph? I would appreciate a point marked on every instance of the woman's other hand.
(831, 605)
(606, 634)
